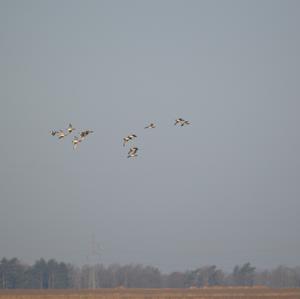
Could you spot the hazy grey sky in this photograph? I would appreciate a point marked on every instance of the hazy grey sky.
(222, 191)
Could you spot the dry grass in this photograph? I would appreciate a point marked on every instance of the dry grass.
(204, 293)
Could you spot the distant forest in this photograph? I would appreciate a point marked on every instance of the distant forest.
(52, 274)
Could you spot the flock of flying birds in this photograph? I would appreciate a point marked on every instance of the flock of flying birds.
(76, 140)
(83, 134)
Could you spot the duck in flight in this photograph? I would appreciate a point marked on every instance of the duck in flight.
(181, 121)
(76, 141)
(83, 134)
(150, 126)
(178, 121)
(132, 152)
(127, 138)
(61, 134)
(70, 128)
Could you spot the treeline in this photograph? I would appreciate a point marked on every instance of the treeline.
(59, 275)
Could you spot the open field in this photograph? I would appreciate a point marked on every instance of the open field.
(205, 293)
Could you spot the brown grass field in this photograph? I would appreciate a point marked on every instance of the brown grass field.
(122, 293)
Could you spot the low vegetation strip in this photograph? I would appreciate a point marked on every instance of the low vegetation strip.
(123, 293)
